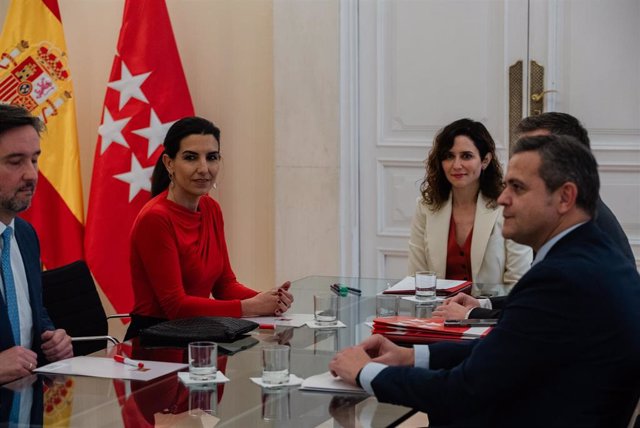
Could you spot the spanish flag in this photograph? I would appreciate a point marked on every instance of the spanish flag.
(34, 73)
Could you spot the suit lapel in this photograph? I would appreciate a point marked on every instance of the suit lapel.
(482, 228)
(438, 226)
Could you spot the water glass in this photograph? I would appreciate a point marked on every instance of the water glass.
(275, 364)
(325, 309)
(203, 358)
(425, 285)
(386, 305)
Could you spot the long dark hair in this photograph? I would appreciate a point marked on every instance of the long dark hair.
(435, 187)
(181, 129)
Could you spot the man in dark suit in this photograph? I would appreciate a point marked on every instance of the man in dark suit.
(549, 361)
(464, 306)
(27, 335)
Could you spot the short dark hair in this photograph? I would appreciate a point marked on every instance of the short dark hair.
(184, 127)
(13, 116)
(435, 187)
(564, 159)
(556, 123)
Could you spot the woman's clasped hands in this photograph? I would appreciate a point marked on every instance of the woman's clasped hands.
(275, 301)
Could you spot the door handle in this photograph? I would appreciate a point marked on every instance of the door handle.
(539, 96)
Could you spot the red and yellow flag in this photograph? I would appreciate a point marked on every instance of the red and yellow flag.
(147, 92)
(34, 73)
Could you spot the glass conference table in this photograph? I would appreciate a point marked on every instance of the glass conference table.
(97, 402)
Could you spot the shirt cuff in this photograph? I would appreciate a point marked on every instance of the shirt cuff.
(368, 373)
(421, 355)
(485, 303)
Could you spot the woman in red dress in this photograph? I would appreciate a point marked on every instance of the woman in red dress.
(179, 262)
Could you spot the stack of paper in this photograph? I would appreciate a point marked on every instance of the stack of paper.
(444, 287)
(424, 330)
(326, 382)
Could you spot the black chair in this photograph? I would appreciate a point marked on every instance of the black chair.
(73, 303)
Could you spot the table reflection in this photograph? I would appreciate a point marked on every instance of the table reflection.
(276, 404)
(165, 401)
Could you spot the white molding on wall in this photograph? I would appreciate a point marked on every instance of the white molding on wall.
(382, 163)
(349, 140)
(383, 252)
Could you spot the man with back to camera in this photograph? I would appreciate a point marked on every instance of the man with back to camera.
(27, 335)
(464, 306)
(548, 361)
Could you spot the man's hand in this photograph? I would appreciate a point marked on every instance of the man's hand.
(382, 350)
(450, 311)
(16, 362)
(464, 300)
(56, 345)
(348, 363)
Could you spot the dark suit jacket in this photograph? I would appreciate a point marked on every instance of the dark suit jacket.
(549, 361)
(607, 222)
(30, 251)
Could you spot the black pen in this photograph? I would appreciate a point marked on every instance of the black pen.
(336, 290)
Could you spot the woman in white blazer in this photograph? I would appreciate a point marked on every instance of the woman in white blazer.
(457, 227)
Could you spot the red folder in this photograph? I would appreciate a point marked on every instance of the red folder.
(424, 330)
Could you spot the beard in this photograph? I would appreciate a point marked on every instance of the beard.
(16, 203)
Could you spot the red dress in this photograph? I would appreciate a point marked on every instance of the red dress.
(179, 258)
(458, 258)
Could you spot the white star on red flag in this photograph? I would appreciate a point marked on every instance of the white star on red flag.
(154, 133)
(139, 178)
(129, 86)
(111, 131)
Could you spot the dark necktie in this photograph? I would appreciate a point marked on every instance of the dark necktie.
(12, 307)
(9, 285)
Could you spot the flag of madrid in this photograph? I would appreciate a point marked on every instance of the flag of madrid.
(147, 92)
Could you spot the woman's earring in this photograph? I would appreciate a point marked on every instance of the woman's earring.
(171, 176)
(215, 186)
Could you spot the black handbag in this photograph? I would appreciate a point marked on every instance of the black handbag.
(181, 332)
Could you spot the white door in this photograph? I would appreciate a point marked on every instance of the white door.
(425, 63)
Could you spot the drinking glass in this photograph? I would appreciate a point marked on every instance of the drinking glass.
(275, 364)
(325, 309)
(426, 285)
(203, 358)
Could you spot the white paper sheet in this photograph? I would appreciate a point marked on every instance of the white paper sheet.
(220, 378)
(286, 320)
(293, 381)
(409, 284)
(109, 368)
(325, 382)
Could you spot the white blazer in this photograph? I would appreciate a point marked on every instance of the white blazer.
(494, 260)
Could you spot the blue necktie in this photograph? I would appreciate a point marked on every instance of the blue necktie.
(9, 285)
(12, 307)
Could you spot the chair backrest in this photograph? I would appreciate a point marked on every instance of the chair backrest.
(73, 303)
